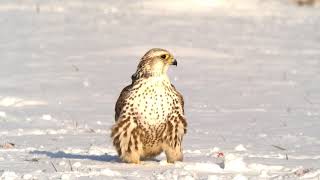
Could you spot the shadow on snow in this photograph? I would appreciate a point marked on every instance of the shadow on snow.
(61, 154)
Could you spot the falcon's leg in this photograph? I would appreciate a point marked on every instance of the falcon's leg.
(173, 154)
(126, 140)
(176, 128)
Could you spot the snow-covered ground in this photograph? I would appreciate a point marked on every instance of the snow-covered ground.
(249, 71)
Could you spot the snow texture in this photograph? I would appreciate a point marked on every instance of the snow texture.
(249, 71)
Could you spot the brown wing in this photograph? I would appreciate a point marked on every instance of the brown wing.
(181, 101)
(182, 122)
(121, 102)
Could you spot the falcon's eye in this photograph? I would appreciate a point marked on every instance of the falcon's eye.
(164, 56)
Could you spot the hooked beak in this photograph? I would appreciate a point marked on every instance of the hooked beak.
(175, 62)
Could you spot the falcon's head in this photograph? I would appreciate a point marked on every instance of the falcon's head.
(154, 63)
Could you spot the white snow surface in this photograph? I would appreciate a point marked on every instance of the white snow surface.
(249, 71)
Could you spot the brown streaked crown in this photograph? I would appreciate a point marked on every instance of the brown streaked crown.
(155, 62)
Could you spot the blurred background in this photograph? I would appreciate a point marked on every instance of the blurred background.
(249, 71)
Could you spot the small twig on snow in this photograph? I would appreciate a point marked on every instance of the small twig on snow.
(278, 147)
(54, 166)
(75, 67)
(307, 99)
(71, 169)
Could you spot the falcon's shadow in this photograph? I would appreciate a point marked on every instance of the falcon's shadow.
(61, 154)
